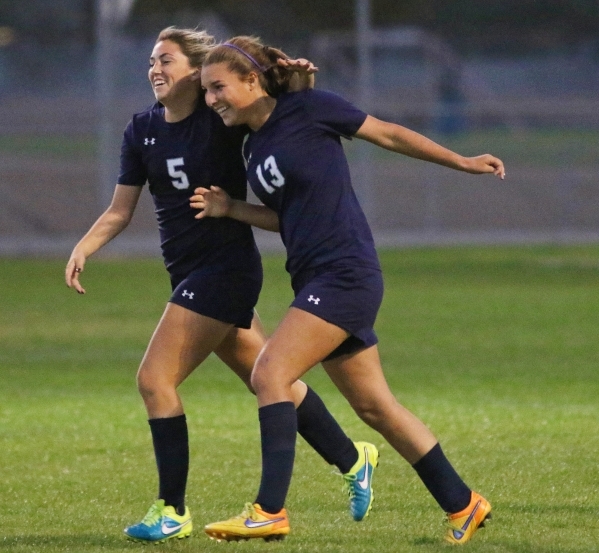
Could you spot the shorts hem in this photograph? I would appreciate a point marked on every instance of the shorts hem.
(220, 319)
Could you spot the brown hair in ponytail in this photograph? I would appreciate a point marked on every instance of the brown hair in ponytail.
(244, 54)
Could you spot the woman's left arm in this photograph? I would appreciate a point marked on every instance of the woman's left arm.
(410, 143)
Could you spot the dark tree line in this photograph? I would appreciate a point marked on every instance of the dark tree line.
(498, 25)
(471, 25)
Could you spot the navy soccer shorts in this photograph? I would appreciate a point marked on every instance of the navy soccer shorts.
(348, 297)
(227, 295)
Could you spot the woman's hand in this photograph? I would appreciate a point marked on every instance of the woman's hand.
(484, 164)
(73, 269)
(213, 202)
(302, 73)
(300, 65)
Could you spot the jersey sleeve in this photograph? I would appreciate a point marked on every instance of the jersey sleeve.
(333, 113)
(133, 171)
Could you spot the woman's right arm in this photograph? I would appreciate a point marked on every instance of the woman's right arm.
(111, 223)
(410, 143)
(215, 202)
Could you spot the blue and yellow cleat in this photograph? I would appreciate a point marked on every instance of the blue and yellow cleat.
(161, 523)
(462, 525)
(358, 481)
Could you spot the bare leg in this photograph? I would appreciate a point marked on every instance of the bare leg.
(239, 351)
(285, 357)
(359, 377)
(282, 361)
(181, 341)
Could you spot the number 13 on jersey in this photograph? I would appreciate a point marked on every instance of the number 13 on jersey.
(271, 178)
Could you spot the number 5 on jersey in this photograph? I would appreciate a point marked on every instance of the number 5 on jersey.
(179, 178)
(271, 178)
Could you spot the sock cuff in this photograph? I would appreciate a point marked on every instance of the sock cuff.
(308, 400)
(434, 453)
(276, 410)
(178, 421)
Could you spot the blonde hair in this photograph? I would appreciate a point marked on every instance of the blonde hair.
(194, 44)
(244, 54)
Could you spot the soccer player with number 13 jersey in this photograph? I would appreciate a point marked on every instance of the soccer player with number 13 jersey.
(297, 168)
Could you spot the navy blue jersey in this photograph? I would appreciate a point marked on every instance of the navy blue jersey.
(297, 167)
(175, 158)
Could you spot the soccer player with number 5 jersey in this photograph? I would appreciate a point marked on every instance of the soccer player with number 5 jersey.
(215, 271)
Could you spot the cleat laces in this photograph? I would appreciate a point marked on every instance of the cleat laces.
(249, 511)
(348, 487)
(153, 515)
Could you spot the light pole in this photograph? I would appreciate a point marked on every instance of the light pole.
(363, 30)
(110, 15)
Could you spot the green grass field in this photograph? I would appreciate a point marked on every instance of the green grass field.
(495, 348)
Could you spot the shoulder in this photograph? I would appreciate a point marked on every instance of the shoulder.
(147, 113)
(318, 102)
(315, 96)
(329, 110)
(141, 119)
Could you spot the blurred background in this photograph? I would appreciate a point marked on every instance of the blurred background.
(515, 78)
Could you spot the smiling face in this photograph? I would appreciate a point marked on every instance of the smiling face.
(231, 95)
(170, 73)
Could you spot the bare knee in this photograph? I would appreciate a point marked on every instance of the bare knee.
(268, 384)
(151, 384)
(146, 384)
(259, 380)
(160, 396)
(374, 414)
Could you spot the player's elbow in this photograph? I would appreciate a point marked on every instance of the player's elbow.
(120, 218)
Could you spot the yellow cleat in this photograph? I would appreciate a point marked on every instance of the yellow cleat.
(462, 525)
(253, 522)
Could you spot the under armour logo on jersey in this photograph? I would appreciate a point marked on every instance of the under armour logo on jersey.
(188, 294)
(313, 299)
(150, 141)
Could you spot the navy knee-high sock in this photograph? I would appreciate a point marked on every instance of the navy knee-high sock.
(171, 448)
(442, 481)
(318, 427)
(278, 429)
